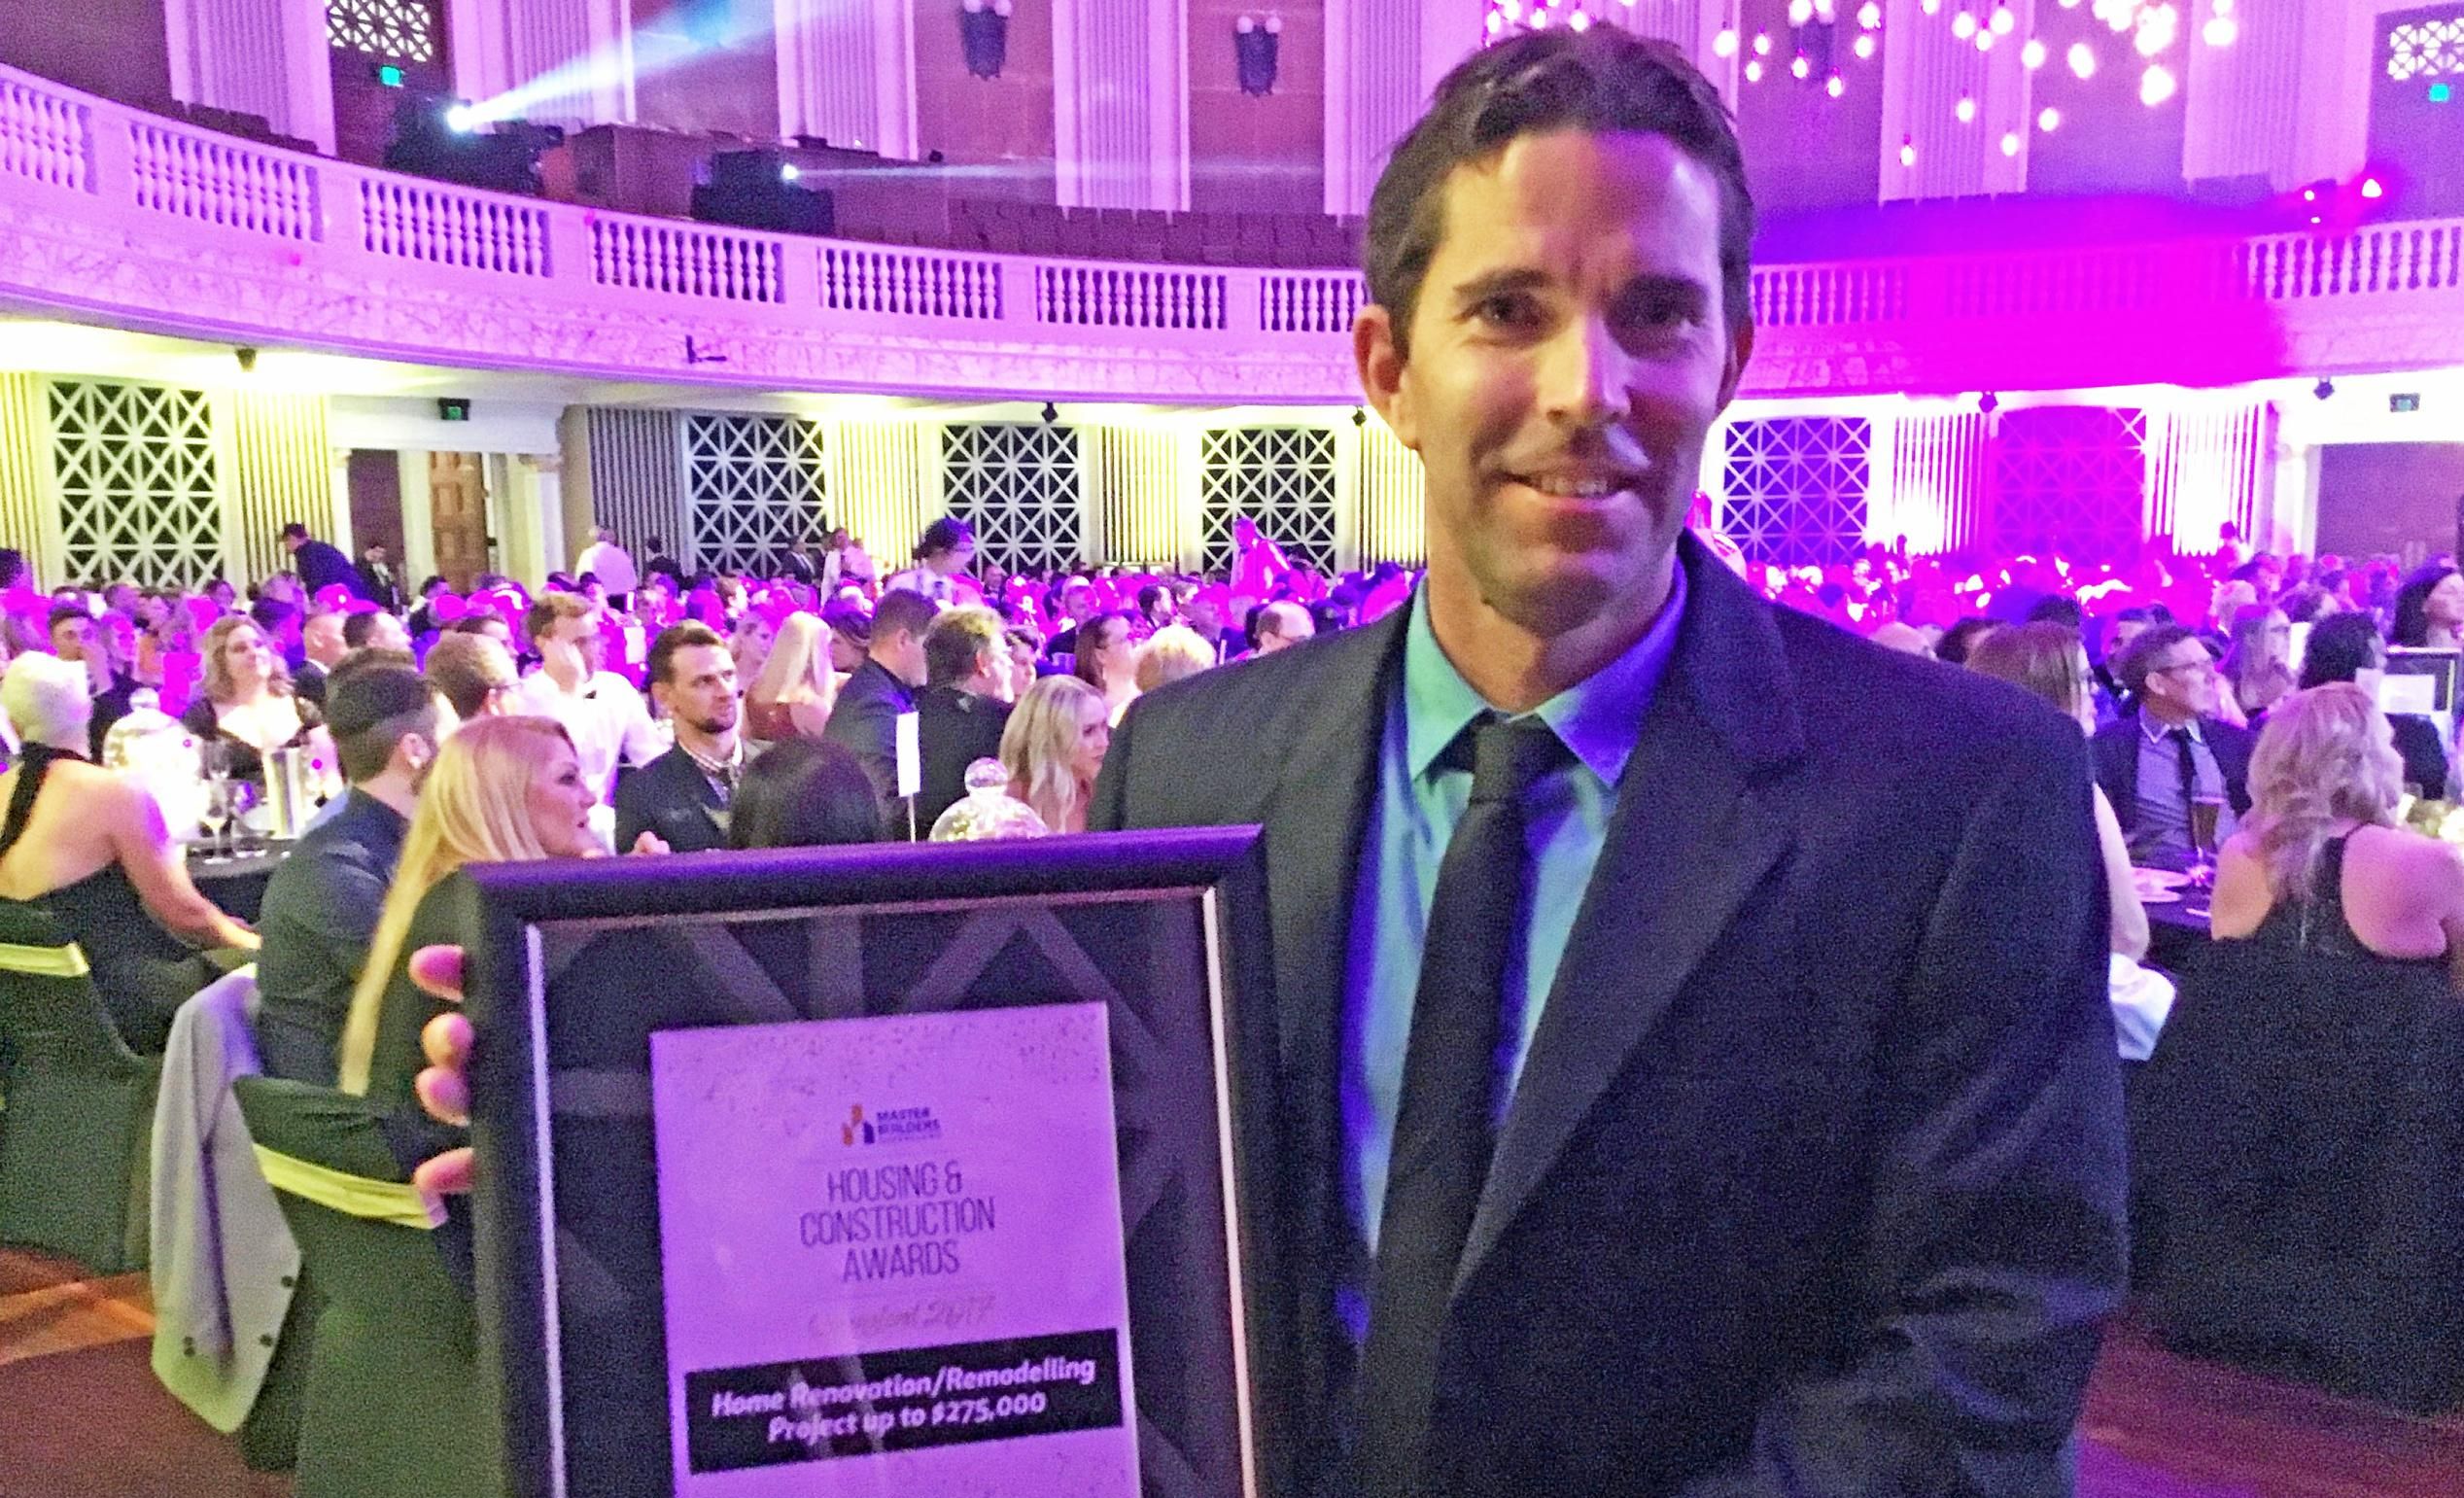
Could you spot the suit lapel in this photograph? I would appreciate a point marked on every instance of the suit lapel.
(1695, 830)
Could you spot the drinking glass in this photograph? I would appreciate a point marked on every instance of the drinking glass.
(2206, 813)
(213, 758)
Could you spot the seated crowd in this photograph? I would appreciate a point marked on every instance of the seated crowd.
(640, 711)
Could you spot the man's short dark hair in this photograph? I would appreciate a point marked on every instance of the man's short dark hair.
(2130, 667)
(367, 710)
(955, 640)
(903, 609)
(294, 532)
(1602, 82)
(358, 627)
(682, 636)
(272, 613)
(468, 668)
(2057, 609)
(61, 613)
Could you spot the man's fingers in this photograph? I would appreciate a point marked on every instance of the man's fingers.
(437, 971)
(447, 1174)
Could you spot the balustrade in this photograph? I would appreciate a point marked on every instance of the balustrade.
(406, 219)
(647, 256)
(194, 176)
(1310, 304)
(1085, 295)
(910, 283)
(43, 137)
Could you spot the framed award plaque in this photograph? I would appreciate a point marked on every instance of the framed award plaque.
(888, 1169)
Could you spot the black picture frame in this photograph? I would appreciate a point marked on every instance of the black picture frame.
(1168, 927)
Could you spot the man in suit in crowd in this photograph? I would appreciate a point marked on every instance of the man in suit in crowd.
(76, 639)
(1683, 1095)
(1281, 625)
(960, 712)
(320, 564)
(322, 645)
(2169, 751)
(871, 701)
(322, 905)
(383, 583)
(679, 796)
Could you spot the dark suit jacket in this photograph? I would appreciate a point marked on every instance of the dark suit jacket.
(320, 909)
(320, 563)
(672, 797)
(383, 583)
(1813, 1182)
(309, 681)
(2115, 750)
(111, 705)
(865, 720)
(953, 730)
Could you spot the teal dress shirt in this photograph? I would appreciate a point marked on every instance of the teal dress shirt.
(1417, 806)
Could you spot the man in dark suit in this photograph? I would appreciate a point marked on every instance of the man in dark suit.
(320, 564)
(383, 583)
(679, 796)
(75, 638)
(322, 905)
(1751, 1125)
(960, 712)
(878, 692)
(2167, 751)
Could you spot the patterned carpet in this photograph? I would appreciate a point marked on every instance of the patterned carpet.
(82, 1416)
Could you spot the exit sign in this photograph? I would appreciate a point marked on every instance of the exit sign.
(2400, 405)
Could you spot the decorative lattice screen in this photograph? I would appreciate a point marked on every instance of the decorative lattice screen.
(137, 484)
(399, 30)
(1283, 477)
(2070, 479)
(2426, 49)
(1016, 483)
(1796, 488)
(752, 484)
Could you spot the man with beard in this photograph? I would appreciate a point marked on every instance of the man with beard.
(680, 798)
(321, 906)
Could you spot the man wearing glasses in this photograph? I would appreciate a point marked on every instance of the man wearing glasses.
(2169, 752)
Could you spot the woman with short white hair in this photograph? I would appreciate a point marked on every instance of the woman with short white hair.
(2320, 863)
(90, 847)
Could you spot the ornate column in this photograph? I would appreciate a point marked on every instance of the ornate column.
(1121, 103)
(846, 72)
(267, 57)
(1383, 58)
(562, 61)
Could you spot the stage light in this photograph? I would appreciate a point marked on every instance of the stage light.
(2083, 61)
(2002, 22)
(2309, 194)
(2155, 85)
(1800, 67)
(1725, 44)
(2032, 55)
(1835, 86)
(1800, 11)
(1965, 109)
(1754, 70)
(2324, 389)
(1871, 17)
(1963, 26)
(787, 171)
(461, 120)
(2010, 143)
(2371, 189)
(1865, 47)
(2049, 119)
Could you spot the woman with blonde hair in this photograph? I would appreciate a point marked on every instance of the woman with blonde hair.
(2258, 666)
(750, 644)
(1170, 654)
(1054, 746)
(245, 707)
(2320, 864)
(500, 790)
(796, 689)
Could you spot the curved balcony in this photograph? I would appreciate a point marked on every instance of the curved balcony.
(111, 214)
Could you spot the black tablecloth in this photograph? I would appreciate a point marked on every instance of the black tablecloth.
(236, 884)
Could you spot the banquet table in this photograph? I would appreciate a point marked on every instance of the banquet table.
(2177, 928)
(236, 882)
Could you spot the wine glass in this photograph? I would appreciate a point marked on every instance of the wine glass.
(240, 796)
(213, 758)
(214, 813)
(2206, 813)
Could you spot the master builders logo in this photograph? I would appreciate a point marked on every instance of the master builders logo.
(890, 1126)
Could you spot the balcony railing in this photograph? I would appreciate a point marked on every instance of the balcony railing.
(350, 258)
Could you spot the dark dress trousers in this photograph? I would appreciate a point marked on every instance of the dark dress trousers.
(1813, 1181)
(672, 797)
(954, 729)
(865, 720)
(320, 909)
(2115, 750)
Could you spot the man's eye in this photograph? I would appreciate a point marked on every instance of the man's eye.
(1507, 311)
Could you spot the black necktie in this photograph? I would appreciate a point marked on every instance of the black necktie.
(1445, 1123)
(2189, 766)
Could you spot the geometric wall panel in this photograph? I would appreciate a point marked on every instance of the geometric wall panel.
(2071, 479)
(634, 470)
(138, 499)
(396, 30)
(752, 484)
(1796, 488)
(1017, 484)
(2430, 48)
(1282, 477)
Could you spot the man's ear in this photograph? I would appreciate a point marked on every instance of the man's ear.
(1740, 354)
(1380, 363)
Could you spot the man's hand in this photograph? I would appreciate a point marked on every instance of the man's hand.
(650, 842)
(444, 1086)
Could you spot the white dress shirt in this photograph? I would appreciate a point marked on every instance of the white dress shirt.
(608, 719)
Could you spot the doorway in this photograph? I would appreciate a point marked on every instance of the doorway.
(458, 516)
